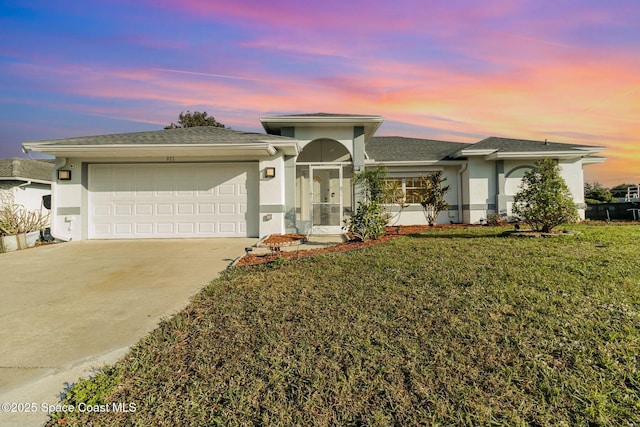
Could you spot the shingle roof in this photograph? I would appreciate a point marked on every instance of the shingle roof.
(397, 148)
(523, 145)
(191, 135)
(26, 168)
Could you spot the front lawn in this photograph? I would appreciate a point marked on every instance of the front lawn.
(450, 327)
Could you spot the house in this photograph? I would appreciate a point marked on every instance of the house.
(24, 182)
(296, 177)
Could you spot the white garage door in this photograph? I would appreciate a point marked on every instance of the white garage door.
(173, 200)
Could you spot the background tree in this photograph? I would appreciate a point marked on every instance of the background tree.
(596, 193)
(544, 200)
(622, 189)
(432, 198)
(195, 119)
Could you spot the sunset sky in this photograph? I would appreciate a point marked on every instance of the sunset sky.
(460, 70)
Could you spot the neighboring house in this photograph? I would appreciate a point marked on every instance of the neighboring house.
(24, 182)
(208, 181)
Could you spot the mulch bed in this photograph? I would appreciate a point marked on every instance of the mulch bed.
(350, 245)
(276, 239)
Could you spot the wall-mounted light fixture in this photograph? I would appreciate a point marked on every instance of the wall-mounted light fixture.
(64, 175)
(269, 172)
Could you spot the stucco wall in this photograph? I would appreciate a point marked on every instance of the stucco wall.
(31, 196)
(272, 197)
(67, 209)
(573, 174)
(480, 197)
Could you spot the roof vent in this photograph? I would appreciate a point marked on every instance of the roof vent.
(546, 142)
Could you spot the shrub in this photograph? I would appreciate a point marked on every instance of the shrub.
(544, 200)
(432, 199)
(368, 222)
(15, 219)
(370, 218)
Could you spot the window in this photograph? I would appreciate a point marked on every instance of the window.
(414, 190)
(412, 187)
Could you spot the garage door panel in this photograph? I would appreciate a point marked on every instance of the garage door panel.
(164, 209)
(186, 228)
(185, 209)
(165, 228)
(226, 208)
(207, 227)
(206, 208)
(227, 227)
(177, 200)
(144, 228)
(124, 229)
(144, 209)
(123, 209)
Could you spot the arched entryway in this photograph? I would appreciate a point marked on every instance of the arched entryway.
(323, 186)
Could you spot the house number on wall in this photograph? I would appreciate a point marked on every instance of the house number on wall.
(171, 159)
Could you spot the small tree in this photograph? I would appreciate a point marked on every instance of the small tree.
(369, 220)
(544, 200)
(195, 119)
(432, 198)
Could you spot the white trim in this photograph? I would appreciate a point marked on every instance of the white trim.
(535, 155)
(472, 152)
(19, 178)
(415, 163)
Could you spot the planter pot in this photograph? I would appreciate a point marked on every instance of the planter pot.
(32, 238)
(13, 242)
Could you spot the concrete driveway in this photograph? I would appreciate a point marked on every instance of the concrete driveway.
(68, 308)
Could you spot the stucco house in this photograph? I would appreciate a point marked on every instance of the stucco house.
(24, 182)
(296, 177)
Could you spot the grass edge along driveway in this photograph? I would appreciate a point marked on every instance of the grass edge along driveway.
(450, 327)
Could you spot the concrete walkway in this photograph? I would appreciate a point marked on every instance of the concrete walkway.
(68, 308)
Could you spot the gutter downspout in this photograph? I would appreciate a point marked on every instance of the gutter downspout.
(463, 168)
(61, 162)
(24, 184)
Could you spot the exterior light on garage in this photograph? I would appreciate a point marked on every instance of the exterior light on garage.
(270, 172)
(64, 175)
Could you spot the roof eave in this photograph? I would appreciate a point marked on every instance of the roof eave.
(23, 179)
(471, 152)
(414, 162)
(141, 150)
(569, 154)
(370, 123)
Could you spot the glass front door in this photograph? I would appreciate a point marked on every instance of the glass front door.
(326, 200)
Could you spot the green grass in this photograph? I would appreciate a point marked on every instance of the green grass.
(452, 327)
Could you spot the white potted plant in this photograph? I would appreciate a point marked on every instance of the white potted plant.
(20, 228)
